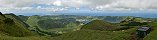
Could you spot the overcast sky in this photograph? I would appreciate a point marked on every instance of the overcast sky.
(52, 6)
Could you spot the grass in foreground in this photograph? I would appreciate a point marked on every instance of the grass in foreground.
(97, 35)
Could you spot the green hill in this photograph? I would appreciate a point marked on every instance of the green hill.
(2, 16)
(23, 18)
(153, 33)
(14, 27)
(11, 27)
(93, 31)
(32, 20)
(99, 25)
(97, 35)
(17, 19)
(53, 24)
(114, 19)
(134, 21)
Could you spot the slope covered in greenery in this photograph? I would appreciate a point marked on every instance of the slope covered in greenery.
(23, 18)
(18, 20)
(52, 24)
(32, 20)
(67, 28)
(97, 35)
(99, 25)
(153, 33)
(12, 28)
(24, 38)
(134, 21)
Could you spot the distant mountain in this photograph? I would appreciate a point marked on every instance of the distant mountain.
(114, 19)
(135, 21)
(23, 18)
(99, 25)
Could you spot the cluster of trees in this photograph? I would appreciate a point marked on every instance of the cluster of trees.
(99, 30)
(59, 23)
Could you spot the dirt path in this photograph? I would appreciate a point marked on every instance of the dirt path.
(134, 37)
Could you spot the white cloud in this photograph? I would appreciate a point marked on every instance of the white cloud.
(25, 3)
(57, 3)
(74, 3)
(124, 4)
(16, 3)
(96, 4)
(146, 4)
(30, 10)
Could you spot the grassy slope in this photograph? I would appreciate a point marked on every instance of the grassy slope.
(96, 35)
(84, 34)
(32, 20)
(23, 18)
(87, 34)
(11, 27)
(152, 35)
(24, 38)
(17, 20)
(99, 25)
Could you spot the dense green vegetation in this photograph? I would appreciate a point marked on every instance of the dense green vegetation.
(24, 38)
(51, 26)
(64, 27)
(133, 21)
(99, 25)
(13, 28)
(23, 18)
(50, 23)
(32, 20)
(97, 35)
(152, 35)
(17, 20)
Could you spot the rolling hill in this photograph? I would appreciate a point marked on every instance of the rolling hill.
(13, 27)
(86, 34)
(17, 20)
(114, 19)
(99, 25)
